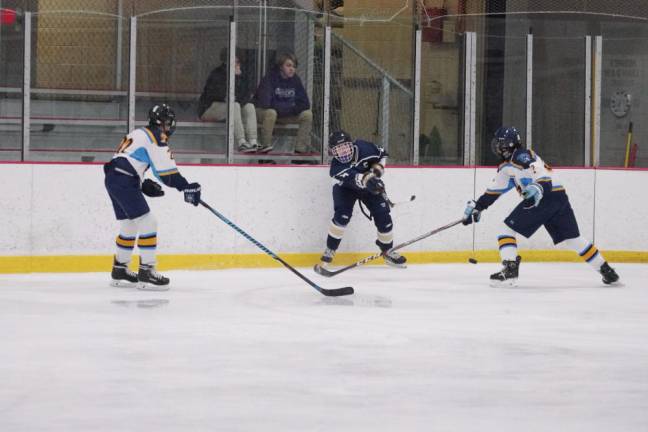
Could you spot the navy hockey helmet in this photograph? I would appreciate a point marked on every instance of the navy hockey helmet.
(505, 142)
(341, 146)
(163, 117)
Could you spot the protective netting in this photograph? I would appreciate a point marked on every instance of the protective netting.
(80, 54)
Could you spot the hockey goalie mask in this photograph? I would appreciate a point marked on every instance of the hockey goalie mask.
(341, 146)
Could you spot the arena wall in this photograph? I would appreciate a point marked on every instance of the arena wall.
(57, 217)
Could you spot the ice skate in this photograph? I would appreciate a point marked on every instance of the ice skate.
(121, 276)
(608, 273)
(395, 259)
(325, 261)
(151, 280)
(392, 258)
(508, 275)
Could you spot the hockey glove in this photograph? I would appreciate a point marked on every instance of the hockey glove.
(152, 189)
(532, 195)
(192, 193)
(373, 184)
(377, 169)
(472, 213)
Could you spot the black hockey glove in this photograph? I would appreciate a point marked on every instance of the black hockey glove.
(472, 213)
(152, 189)
(373, 184)
(192, 193)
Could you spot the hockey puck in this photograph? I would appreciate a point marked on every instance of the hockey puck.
(472, 260)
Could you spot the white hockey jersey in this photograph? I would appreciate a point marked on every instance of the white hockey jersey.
(143, 150)
(524, 168)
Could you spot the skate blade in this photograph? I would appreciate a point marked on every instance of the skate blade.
(391, 264)
(123, 284)
(143, 286)
(508, 283)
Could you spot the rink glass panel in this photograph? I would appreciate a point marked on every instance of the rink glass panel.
(559, 91)
(442, 95)
(176, 51)
(624, 91)
(11, 95)
(79, 81)
(501, 83)
(285, 30)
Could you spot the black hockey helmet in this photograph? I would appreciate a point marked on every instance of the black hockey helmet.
(163, 117)
(505, 142)
(341, 146)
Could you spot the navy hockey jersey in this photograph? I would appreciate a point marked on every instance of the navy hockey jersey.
(364, 156)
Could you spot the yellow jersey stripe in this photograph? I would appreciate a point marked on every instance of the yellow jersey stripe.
(147, 242)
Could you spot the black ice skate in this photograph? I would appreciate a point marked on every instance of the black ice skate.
(509, 273)
(150, 280)
(608, 273)
(122, 276)
(392, 258)
(325, 260)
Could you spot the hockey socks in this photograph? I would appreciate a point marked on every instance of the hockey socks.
(587, 251)
(507, 245)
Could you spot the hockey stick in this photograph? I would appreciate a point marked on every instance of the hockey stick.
(327, 292)
(397, 203)
(329, 273)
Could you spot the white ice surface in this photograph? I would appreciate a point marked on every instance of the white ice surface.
(429, 348)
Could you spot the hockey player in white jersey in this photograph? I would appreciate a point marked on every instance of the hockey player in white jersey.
(545, 203)
(140, 150)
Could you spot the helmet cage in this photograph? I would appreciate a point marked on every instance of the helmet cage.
(506, 141)
(163, 117)
(343, 151)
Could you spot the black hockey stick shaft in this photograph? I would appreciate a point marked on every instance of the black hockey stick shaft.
(335, 292)
(393, 204)
(365, 260)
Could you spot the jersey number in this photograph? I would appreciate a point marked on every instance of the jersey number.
(124, 144)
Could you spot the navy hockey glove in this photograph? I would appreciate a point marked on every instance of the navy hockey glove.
(192, 193)
(532, 194)
(152, 189)
(472, 213)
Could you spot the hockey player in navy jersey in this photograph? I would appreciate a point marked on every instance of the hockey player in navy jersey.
(356, 168)
(140, 150)
(545, 203)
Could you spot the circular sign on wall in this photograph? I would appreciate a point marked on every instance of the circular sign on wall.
(620, 103)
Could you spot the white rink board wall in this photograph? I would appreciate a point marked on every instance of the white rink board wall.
(63, 209)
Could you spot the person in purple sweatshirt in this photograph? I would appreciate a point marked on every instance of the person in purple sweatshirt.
(281, 97)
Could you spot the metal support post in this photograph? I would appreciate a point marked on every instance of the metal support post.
(596, 104)
(326, 114)
(26, 114)
(132, 73)
(470, 82)
(529, 92)
(416, 130)
(588, 102)
(231, 97)
(384, 113)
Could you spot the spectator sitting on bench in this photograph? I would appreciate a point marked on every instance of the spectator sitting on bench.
(281, 97)
(212, 105)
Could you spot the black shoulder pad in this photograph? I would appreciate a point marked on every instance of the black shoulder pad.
(523, 158)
